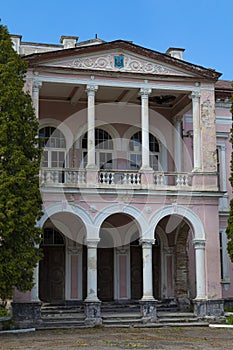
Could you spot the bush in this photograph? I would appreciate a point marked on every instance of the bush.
(230, 319)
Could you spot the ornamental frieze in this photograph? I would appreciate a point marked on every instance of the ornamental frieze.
(124, 63)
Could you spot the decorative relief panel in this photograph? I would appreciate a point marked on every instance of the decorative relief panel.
(128, 64)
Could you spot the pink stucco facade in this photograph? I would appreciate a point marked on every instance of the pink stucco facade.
(134, 178)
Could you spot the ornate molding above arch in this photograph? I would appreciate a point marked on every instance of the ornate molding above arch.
(187, 214)
(135, 213)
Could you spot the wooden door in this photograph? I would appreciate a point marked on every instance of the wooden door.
(52, 274)
(105, 274)
(136, 272)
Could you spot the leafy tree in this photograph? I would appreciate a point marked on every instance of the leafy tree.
(20, 201)
(230, 219)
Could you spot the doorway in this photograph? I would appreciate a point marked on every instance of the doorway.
(52, 267)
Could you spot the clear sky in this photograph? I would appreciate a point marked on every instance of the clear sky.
(204, 28)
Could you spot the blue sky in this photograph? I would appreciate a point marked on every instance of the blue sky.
(204, 28)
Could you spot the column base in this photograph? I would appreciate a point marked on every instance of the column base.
(148, 310)
(184, 304)
(92, 312)
(205, 308)
(147, 176)
(26, 314)
(92, 175)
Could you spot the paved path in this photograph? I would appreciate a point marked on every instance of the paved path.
(176, 338)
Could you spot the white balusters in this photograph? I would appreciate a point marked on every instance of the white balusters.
(119, 178)
(106, 177)
(62, 176)
(159, 179)
(74, 177)
(172, 179)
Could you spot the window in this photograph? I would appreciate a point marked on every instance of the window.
(103, 148)
(135, 151)
(52, 237)
(54, 144)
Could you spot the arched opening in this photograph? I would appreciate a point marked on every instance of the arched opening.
(119, 259)
(63, 268)
(172, 257)
(52, 266)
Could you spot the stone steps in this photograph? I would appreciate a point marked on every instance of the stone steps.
(113, 315)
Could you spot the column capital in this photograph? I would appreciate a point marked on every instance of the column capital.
(36, 84)
(92, 243)
(177, 119)
(195, 95)
(145, 92)
(147, 242)
(91, 89)
(199, 244)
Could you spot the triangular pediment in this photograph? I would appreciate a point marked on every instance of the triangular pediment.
(120, 56)
(115, 61)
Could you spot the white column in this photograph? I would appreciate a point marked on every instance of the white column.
(92, 270)
(199, 247)
(35, 289)
(36, 85)
(196, 130)
(144, 93)
(147, 269)
(177, 143)
(91, 90)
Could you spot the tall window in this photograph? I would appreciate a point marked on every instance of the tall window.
(54, 144)
(103, 149)
(135, 151)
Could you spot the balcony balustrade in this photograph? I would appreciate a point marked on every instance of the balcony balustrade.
(110, 178)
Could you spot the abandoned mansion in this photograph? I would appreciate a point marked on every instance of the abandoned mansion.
(133, 178)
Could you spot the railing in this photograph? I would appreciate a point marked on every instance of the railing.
(71, 176)
(119, 177)
(55, 176)
(172, 179)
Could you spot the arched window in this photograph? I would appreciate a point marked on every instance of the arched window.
(135, 151)
(103, 147)
(52, 237)
(54, 144)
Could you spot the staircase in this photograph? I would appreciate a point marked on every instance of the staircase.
(121, 314)
(62, 316)
(178, 319)
(113, 314)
